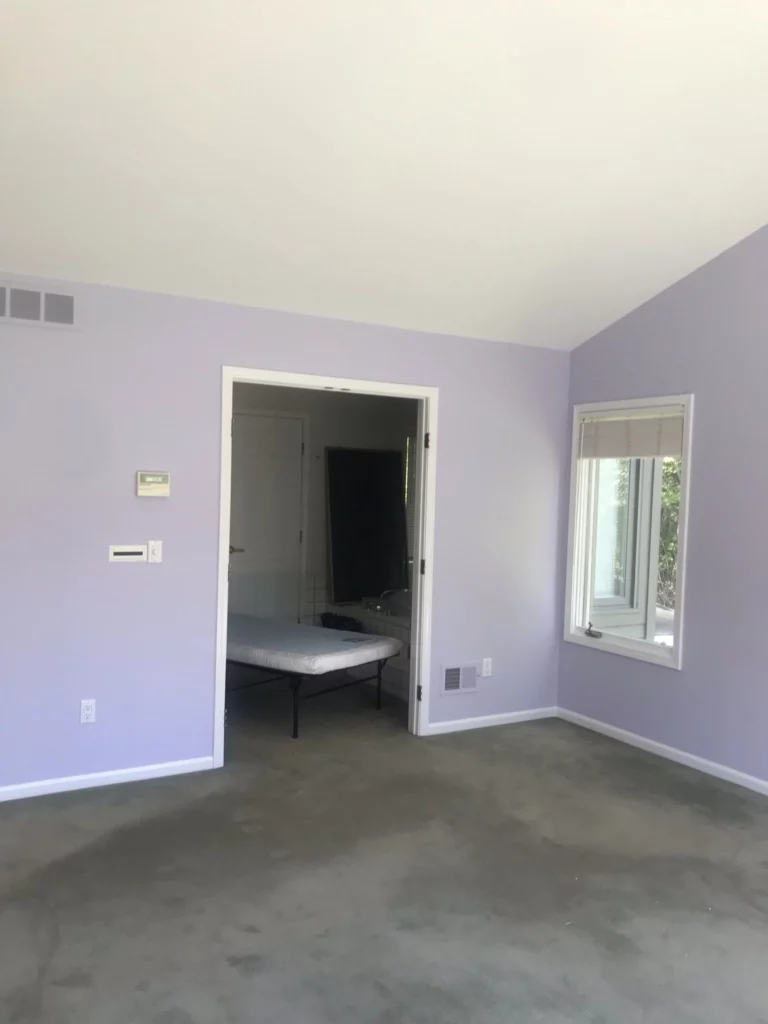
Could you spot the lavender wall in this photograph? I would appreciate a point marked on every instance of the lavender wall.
(708, 335)
(139, 387)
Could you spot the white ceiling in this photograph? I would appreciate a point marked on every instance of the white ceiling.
(520, 170)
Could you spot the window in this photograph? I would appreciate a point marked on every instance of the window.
(626, 558)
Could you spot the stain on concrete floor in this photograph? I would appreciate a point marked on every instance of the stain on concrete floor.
(524, 873)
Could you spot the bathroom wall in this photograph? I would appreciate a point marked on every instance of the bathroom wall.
(334, 420)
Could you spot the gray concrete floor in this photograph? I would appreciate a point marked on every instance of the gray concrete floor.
(359, 876)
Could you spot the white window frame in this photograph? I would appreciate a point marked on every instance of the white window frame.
(642, 650)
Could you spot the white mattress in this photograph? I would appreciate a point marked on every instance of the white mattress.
(309, 650)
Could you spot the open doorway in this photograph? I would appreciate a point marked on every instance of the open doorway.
(327, 513)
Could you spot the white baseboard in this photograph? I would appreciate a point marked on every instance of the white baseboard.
(719, 771)
(196, 764)
(70, 782)
(483, 721)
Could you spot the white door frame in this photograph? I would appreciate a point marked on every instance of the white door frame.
(421, 628)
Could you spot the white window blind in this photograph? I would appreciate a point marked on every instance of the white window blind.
(632, 437)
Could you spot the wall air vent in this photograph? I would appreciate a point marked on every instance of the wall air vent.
(59, 309)
(23, 305)
(460, 679)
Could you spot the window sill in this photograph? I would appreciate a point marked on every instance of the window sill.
(639, 650)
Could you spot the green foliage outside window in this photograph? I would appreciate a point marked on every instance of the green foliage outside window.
(670, 515)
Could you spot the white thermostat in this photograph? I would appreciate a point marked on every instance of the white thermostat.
(153, 484)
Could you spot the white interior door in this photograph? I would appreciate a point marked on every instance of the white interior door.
(265, 525)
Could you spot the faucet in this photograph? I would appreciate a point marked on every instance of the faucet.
(385, 593)
(378, 607)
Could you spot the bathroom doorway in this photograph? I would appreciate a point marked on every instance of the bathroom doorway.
(332, 530)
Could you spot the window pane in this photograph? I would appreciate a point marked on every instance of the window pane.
(622, 497)
(611, 572)
(635, 512)
(666, 577)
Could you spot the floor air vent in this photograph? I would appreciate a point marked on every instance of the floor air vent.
(33, 306)
(460, 678)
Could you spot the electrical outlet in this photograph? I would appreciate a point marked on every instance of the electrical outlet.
(87, 711)
(487, 667)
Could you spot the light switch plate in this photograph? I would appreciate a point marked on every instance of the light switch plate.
(487, 667)
(155, 551)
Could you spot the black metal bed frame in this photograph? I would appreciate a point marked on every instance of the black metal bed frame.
(297, 678)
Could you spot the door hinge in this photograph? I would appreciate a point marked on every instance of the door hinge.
(423, 568)
(232, 427)
(418, 692)
(302, 447)
(426, 440)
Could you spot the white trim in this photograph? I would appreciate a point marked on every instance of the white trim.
(641, 650)
(484, 721)
(719, 771)
(110, 778)
(222, 598)
(424, 548)
(246, 375)
(422, 610)
(665, 404)
(195, 764)
(627, 647)
(682, 529)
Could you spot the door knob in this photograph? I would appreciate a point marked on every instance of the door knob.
(236, 551)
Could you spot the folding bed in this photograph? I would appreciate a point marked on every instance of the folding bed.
(298, 653)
